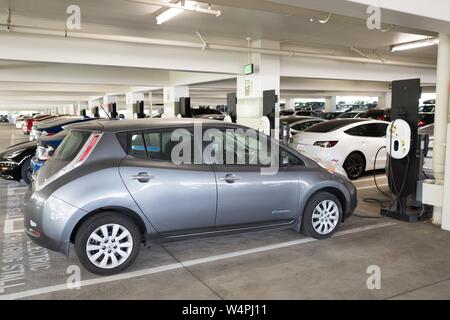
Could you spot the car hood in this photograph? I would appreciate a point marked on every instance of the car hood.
(17, 147)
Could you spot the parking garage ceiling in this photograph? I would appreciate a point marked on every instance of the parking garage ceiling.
(294, 27)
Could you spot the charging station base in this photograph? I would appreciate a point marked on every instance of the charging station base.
(407, 217)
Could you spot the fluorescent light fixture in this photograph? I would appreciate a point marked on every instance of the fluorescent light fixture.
(173, 12)
(415, 44)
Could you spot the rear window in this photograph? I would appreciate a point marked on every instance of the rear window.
(330, 125)
(71, 146)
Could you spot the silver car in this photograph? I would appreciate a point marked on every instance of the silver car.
(112, 186)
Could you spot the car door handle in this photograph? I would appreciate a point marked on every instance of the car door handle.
(142, 177)
(230, 178)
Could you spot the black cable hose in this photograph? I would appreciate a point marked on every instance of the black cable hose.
(373, 200)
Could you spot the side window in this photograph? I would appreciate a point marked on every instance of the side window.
(137, 146)
(155, 145)
(374, 130)
(360, 131)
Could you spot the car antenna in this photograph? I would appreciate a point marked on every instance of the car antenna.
(101, 106)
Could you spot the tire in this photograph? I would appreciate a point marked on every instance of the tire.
(26, 171)
(354, 165)
(94, 258)
(312, 214)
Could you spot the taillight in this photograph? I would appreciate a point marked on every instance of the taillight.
(422, 123)
(325, 144)
(90, 147)
(382, 117)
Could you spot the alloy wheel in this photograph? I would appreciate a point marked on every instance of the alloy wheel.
(109, 246)
(325, 217)
(354, 166)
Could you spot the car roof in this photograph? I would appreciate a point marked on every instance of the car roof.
(146, 124)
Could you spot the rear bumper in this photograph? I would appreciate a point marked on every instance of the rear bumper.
(48, 221)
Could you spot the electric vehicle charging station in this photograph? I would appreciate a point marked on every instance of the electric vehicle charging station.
(405, 151)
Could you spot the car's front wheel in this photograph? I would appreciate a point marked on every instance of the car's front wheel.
(322, 216)
(26, 171)
(107, 243)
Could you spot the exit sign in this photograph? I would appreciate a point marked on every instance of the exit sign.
(248, 68)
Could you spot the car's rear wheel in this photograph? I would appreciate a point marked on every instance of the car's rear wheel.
(354, 165)
(107, 243)
(26, 171)
(322, 215)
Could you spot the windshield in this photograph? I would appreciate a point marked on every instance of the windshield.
(66, 152)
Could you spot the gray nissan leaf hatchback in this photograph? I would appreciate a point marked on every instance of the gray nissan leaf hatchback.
(112, 186)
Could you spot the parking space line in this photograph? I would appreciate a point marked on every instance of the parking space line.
(183, 264)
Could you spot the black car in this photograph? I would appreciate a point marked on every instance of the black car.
(330, 115)
(4, 118)
(15, 161)
(202, 111)
(308, 114)
(425, 119)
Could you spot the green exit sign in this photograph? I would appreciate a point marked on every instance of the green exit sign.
(248, 68)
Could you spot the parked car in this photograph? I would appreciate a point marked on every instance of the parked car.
(112, 185)
(427, 108)
(287, 112)
(30, 122)
(202, 111)
(4, 118)
(54, 125)
(307, 114)
(15, 162)
(349, 143)
(297, 124)
(46, 146)
(425, 119)
(20, 120)
(378, 114)
(351, 115)
(330, 115)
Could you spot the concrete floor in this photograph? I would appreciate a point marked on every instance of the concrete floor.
(413, 259)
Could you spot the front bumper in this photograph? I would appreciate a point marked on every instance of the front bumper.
(48, 221)
(9, 170)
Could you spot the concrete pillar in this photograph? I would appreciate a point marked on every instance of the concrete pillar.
(149, 99)
(290, 104)
(172, 97)
(440, 126)
(250, 88)
(385, 100)
(330, 104)
(131, 99)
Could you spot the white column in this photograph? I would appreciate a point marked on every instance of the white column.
(172, 97)
(440, 128)
(131, 99)
(330, 104)
(290, 104)
(150, 103)
(250, 88)
(385, 100)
